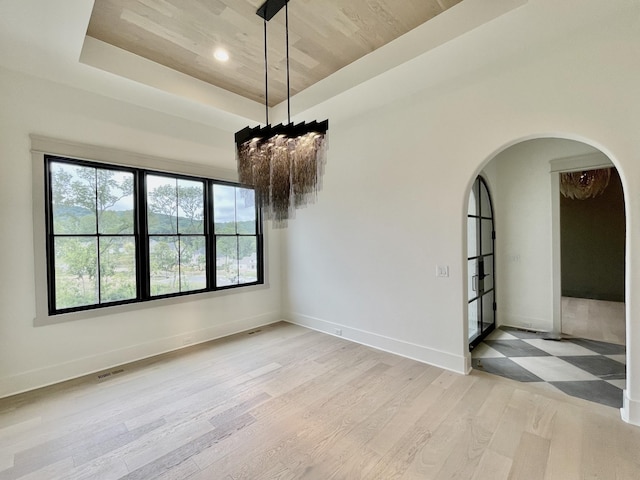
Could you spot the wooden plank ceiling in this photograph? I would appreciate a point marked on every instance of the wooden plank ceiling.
(324, 36)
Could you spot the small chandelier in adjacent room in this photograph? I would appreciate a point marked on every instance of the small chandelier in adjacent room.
(584, 184)
(283, 163)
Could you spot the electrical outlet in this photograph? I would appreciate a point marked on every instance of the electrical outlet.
(338, 331)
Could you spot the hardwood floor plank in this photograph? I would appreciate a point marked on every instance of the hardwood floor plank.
(598, 448)
(352, 422)
(628, 444)
(52, 470)
(455, 446)
(565, 453)
(401, 455)
(530, 460)
(286, 409)
(223, 418)
(186, 469)
(184, 453)
(514, 421)
(98, 449)
(493, 466)
(164, 441)
(542, 416)
(102, 468)
(51, 452)
(317, 428)
(404, 419)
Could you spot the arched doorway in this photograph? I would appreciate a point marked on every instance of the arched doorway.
(524, 179)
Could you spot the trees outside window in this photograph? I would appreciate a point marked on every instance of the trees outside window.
(177, 244)
(119, 235)
(93, 235)
(234, 218)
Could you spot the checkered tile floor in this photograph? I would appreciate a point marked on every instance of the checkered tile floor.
(582, 368)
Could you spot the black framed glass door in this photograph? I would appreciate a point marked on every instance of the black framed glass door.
(481, 263)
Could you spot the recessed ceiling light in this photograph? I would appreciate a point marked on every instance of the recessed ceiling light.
(221, 55)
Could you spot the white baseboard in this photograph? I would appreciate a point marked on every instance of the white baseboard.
(520, 327)
(57, 373)
(630, 411)
(525, 323)
(438, 358)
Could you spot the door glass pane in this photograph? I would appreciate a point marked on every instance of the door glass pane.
(472, 237)
(485, 203)
(488, 317)
(487, 240)
(488, 272)
(473, 200)
(472, 279)
(474, 331)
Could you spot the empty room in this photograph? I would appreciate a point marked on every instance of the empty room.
(320, 239)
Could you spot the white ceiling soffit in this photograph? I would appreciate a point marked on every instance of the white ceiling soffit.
(109, 58)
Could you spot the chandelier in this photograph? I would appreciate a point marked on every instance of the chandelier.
(584, 184)
(283, 163)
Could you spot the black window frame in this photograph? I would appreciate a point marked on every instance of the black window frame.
(141, 235)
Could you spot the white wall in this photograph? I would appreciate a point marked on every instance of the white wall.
(34, 356)
(396, 186)
(522, 202)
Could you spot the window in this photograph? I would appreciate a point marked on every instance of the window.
(119, 235)
(176, 240)
(234, 218)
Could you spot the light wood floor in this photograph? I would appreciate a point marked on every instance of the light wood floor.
(594, 319)
(289, 403)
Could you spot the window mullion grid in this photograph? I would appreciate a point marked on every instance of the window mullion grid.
(235, 208)
(178, 236)
(179, 248)
(209, 233)
(97, 237)
(237, 255)
(142, 236)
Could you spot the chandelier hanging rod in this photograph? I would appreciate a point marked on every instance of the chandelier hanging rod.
(266, 76)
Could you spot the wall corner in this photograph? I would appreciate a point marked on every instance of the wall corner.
(630, 411)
